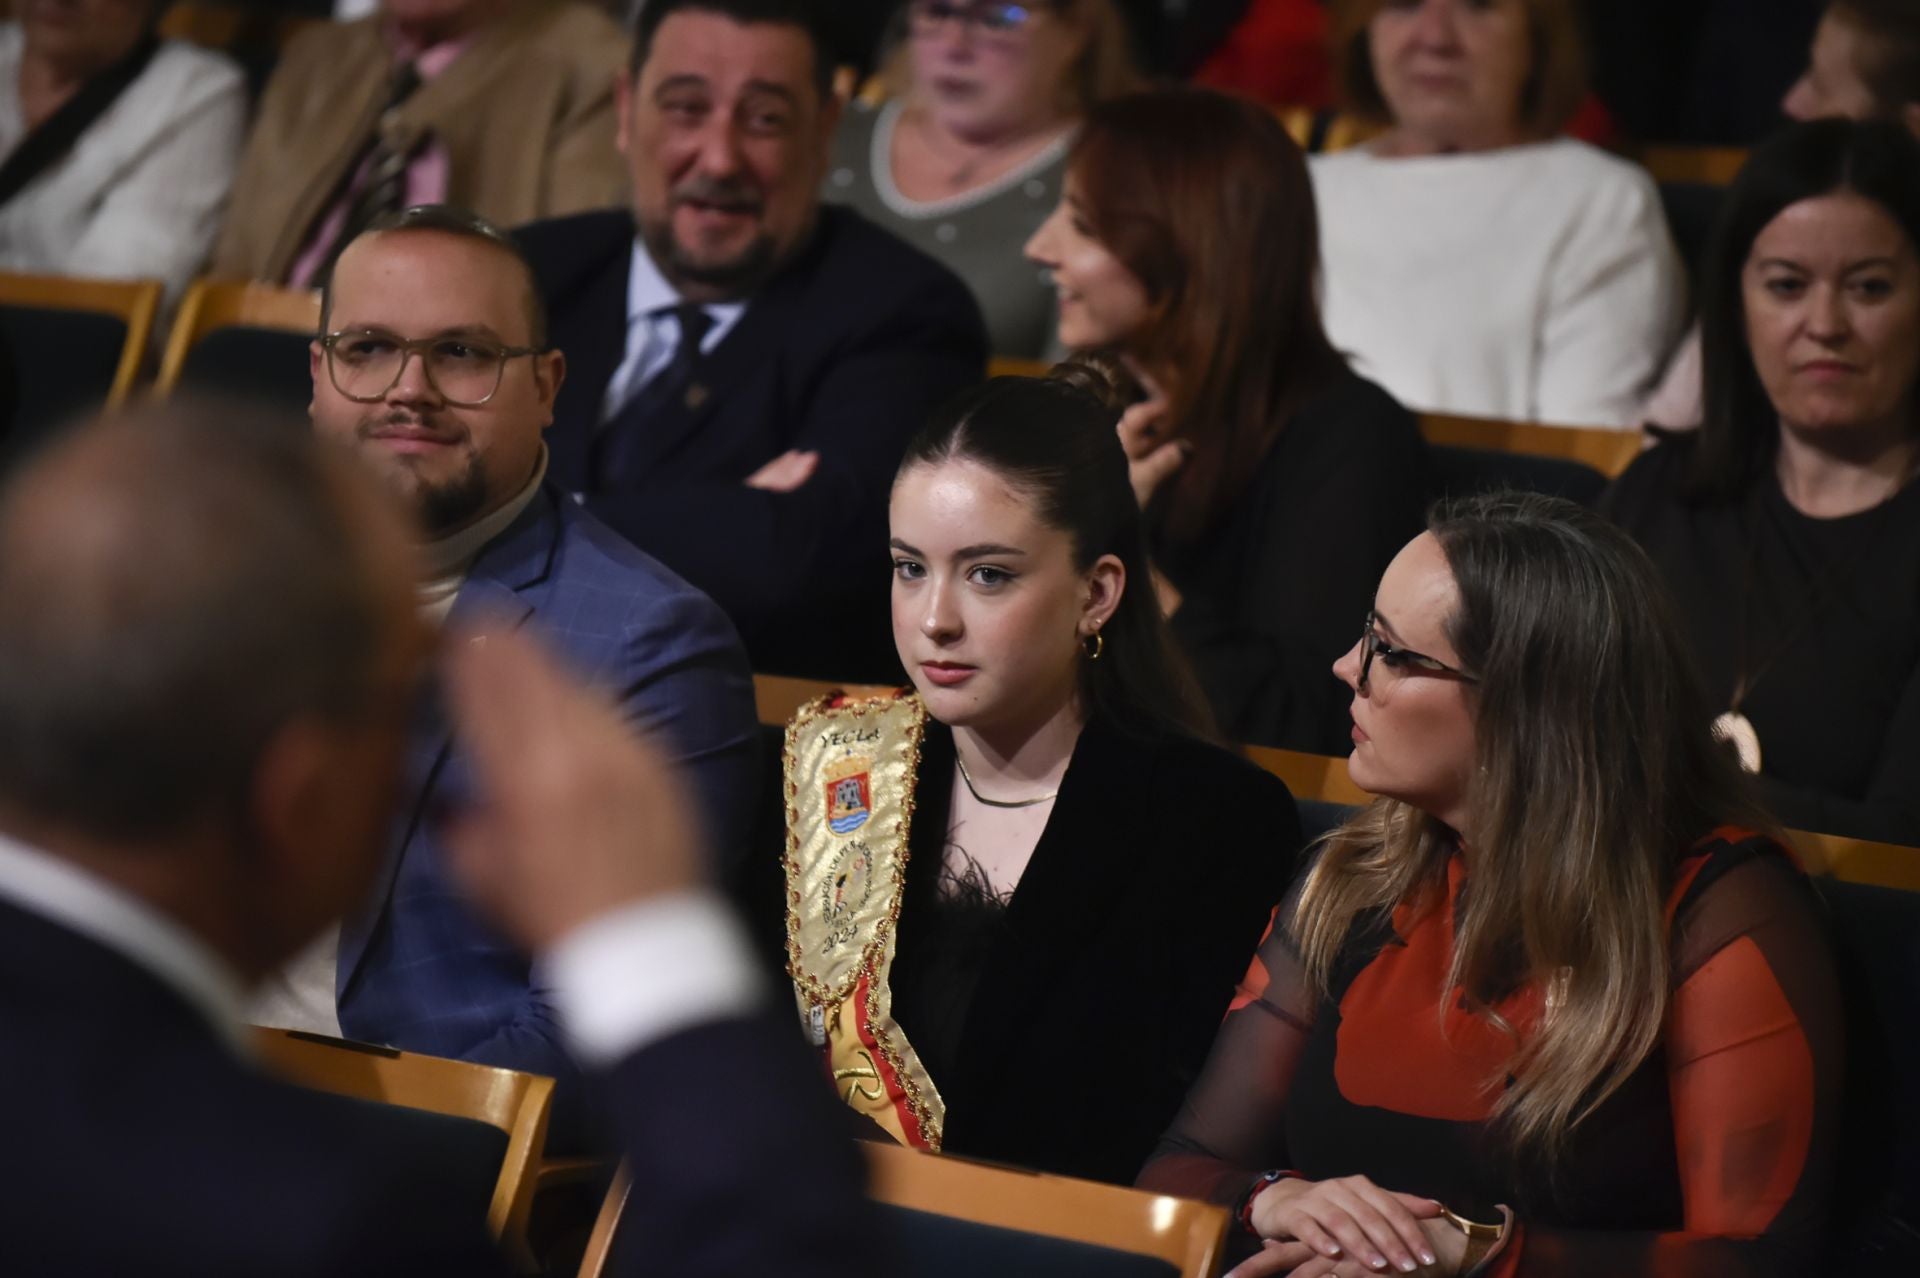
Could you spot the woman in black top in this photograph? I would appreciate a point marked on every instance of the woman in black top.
(1021, 894)
(1789, 528)
(1276, 481)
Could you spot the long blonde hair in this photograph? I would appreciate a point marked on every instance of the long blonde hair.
(1596, 771)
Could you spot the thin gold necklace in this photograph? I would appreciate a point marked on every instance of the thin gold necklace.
(999, 803)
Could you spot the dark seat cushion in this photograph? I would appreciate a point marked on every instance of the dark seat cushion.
(466, 1152)
(930, 1246)
(1462, 472)
(54, 365)
(1877, 933)
(265, 365)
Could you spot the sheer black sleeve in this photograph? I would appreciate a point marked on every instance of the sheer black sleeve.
(1231, 1125)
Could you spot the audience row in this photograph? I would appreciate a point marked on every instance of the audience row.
(1559, 1000)
(1477, 261)
(740, 367)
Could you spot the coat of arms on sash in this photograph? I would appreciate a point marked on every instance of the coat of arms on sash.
(849, 793)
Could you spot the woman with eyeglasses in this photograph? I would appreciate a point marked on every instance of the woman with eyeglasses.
(1555, 1002)
(1788, 525)
(964, 158)
(1018, 896)
(1275, 480)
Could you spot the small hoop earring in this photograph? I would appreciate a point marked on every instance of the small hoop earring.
(1096, 644)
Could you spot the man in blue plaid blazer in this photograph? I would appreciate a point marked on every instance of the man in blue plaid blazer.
(432, 365)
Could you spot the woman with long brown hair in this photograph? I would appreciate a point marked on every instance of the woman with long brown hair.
(1554, 1003)
(1019, 895)
(1276, 482)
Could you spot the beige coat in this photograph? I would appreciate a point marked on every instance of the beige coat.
(525, 113)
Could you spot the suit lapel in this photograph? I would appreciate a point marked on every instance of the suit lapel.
(501, 591)
(773, 316)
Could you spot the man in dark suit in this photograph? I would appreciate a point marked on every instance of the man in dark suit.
(434, 367)
(748, 365)
(209, 624)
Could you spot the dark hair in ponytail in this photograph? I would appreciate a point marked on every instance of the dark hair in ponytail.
(1054, 439)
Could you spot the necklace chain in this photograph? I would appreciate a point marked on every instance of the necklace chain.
(999, 803)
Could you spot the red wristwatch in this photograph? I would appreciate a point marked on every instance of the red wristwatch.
(1243, 1210)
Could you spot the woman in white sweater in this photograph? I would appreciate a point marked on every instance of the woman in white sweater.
(116, 148)
(1477, 262)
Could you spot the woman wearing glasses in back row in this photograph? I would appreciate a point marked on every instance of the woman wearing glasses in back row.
(964, 159)
(1549, 1005)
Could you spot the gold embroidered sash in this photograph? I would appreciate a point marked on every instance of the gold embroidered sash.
(851, 767)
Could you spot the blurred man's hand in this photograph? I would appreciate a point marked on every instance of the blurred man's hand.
(578, 814)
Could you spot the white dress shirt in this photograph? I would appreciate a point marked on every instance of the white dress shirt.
(628, 978)
(142, 192)
(653, 331)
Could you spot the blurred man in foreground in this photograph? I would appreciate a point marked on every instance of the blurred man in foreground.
(207, 648)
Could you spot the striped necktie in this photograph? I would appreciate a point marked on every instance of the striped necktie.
(384, 189)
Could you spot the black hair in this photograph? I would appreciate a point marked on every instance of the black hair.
(450, 219)
(807, 15)
(1054, 438)
(1876, 160)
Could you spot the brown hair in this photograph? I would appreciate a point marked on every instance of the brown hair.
(1104, 69)
(1556, 84)
(1206, 200)
(1596, 772)
(1891, 66)
(1053, 439)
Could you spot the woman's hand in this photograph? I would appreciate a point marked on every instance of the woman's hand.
(1351, 1221)
(1151, 456)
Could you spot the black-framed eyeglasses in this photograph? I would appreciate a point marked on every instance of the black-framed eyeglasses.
(1400, 660)
(991, 16)
(365, 364)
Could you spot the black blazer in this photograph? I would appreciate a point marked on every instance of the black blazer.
(137, 1143)
(1277, 590)
(1133, 923)
(843, 352)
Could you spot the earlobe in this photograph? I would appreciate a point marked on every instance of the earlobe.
(1910, 116)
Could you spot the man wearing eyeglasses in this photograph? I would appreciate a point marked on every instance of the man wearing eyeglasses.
(433, 365)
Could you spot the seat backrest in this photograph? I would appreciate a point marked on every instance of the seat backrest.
(1607, 451)
(952, 1216)
(243, 339)
(1463, 472)
(1886, 865)
(777, 697)
(1014, 366)
(1320, 777)
(68, 347)
(606, 1227)
(513, 1102)
(1876, 932)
